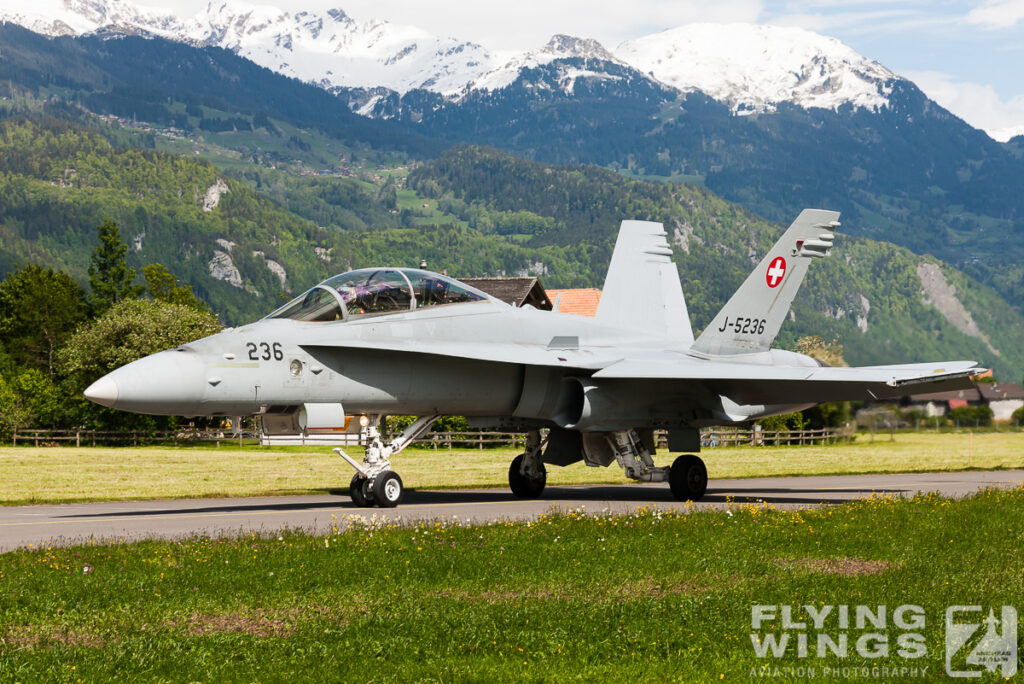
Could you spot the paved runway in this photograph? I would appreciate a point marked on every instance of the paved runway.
(64, 524)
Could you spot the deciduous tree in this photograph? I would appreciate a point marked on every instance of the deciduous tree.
(132, 329)
(162, 285)
(39, 309)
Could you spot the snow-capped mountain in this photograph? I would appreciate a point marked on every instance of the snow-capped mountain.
(333, 50)
(750, 67)
(329, 49)
(559, 47)
(754, 68)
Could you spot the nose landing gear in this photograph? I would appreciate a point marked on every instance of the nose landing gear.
(374, 482)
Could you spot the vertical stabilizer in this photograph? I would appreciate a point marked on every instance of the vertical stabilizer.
(751, 320)
(642, 289)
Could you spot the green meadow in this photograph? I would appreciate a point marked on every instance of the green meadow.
(650, 596)
(68, 474)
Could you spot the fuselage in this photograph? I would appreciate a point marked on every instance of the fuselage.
(480, 358)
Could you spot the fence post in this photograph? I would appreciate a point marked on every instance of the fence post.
(78, 438)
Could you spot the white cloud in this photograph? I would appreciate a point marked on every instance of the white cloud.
(875, 20)
(979, 105)
(997, 14)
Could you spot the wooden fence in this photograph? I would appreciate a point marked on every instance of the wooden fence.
(717, 437)
(478, 439)
(132, 437)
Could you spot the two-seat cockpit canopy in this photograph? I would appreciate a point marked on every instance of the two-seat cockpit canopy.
(375, 291)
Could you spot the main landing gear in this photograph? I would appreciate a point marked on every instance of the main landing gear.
(527, 475)
(374, 482)
(687, 476)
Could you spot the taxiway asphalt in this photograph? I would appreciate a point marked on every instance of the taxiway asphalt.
(64, 524)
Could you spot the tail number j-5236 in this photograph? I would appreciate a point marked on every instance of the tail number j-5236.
(265, 351)
(743, 326)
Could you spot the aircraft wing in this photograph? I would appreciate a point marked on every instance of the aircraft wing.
(763, 384)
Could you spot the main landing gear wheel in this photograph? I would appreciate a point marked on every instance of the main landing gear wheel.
(387, 489)
(688, 478)
(356, 491)
(523, 486)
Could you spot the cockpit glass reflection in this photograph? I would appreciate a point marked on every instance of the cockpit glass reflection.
(433, 289)
(372, 291)
(318, 304)
(376, 291)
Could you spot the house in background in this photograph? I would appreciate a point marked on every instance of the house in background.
(582, 302)
(938, 404)
(529, 291)
(1002, 397)
(514, 291)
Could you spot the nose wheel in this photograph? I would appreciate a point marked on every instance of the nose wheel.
(374, 483)
(355, 490)
(387, 489)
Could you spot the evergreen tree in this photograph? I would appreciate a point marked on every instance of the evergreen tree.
(110, 278)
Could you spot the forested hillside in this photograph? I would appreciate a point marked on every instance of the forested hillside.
(472, 212)
(868, 294)
(909, 173)
(154, 80)
(58, 182)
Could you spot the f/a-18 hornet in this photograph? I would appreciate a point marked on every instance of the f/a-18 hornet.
(401, 341)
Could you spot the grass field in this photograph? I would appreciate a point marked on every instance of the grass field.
(646, 597)
(67, 474)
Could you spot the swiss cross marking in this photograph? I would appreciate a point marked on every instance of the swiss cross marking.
(776, 271)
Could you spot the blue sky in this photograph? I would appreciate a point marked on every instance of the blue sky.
(968, 56)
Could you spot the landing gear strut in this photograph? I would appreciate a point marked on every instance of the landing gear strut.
(687, 477)
(374, 482)
(527, 475)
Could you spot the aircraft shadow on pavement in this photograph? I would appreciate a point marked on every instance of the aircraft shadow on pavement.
(239, 507)
(555, 496)
(618, 493)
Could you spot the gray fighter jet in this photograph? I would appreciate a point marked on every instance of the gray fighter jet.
(399, 341)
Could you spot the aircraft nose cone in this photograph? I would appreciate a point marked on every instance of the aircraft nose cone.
(166, 383)
(103, 391)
